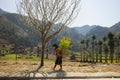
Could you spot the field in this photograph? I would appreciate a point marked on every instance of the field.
(7, 66)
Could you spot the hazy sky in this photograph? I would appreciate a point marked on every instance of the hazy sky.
(93, 12)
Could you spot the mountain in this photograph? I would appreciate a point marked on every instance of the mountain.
(14, 18)
(84, 29)
(98, 31)
(7, 28)
(2, 11)
(115, 28)
(13, 31)
(72, 33)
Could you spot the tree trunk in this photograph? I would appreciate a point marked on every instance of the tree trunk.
(42, 55)
(106, 58)
(81, 52)
(100, 52)
(38, 51)
(111, 54)
(111, 57)
(16, 52)
(116, 56)
(93, 55)
(46, 55)
(118, 53)
(84, 56)
(90, 57)
(0, 53)
(119, 57)
(81, 56)
(97, 55)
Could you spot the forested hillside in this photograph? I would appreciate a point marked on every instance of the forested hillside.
(13, 31)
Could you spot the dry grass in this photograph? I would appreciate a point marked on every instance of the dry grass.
(23, 66)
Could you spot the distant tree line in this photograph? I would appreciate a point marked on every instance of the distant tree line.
(105, 50)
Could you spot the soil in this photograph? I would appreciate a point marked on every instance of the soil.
(10, 67)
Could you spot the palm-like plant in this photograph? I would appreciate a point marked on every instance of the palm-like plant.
(93, 47)
(82, 43)
(119, 48)
(116, 47)
(87, 45)
(105, 47)
(111, 45)
(100, 49)
(117, 44)
(97, 49)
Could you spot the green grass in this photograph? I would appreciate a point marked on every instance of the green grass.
(8, 57)
(12, 57)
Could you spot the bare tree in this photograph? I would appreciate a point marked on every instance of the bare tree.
(42, 15)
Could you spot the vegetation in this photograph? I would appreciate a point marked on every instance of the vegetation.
(41, 17)
(64, 43)
(11, 33)
(16, 39)
(12, 57)
(105, 50)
